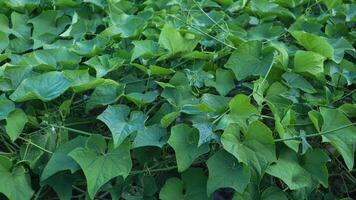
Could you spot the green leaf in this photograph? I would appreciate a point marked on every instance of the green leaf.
(104, 64)
(205, 128)
(349, 109)
(316, 119)
(224, 81)
(256, 151)
(60, 160)
(265, 31)
(145, 49)
(141, 99)
(216, 103)
(169, 118)
(117, 162)
(151, 136)
(125, 26)
(331, 3)
(6, 107)
(191, 187)
(106, 93)
(50, 59)
(242, 111)
(62, 184)
(157, 70)
(273, 193)
(247, 55)
(315, 163)
(82, 81)
(172, 40)
(343, 139)
(45, 87)
(309, 63)
(184, 140)
(116, 118)
(314, 43)
(265, 8)
(17, 184)
(15, 123)
(291, 173)
(296, 81)
(226, 171)
(259, 88)
(4, 37)
(340, 45)
(45, 27)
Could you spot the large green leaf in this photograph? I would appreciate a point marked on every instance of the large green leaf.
(256, 151)
(60, 161)
(15, 183)
(45, 87)
(106, 93)
(341, 133)
(151, 136)
(314, 43)
(184, 141)
(224, 81)
(310, 63)
(101, 165)
(116, 118)
(315, 163)
(226, 171)
(247, 55)
(296, 81)
(104, 64)
(291, 173)
(145, 48)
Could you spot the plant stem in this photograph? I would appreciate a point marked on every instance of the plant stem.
(78, 131)
(314, 134)
(35, 145)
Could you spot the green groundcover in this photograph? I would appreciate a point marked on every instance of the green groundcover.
(177, 99)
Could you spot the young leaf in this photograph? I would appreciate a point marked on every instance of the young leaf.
(342, 139)
(247, 55)
(45, 87)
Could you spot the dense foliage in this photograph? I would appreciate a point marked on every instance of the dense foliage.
(177, 99)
